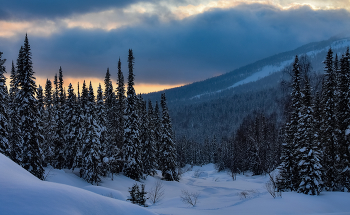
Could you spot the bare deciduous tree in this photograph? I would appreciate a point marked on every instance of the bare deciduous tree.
(189, 197)
(271, 187)
(156, 193)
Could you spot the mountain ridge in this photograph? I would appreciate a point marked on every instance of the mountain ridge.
(224, 81)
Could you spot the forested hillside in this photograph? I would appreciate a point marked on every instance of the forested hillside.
(214, 108)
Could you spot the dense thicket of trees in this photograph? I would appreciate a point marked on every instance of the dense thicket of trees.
(316, 143)
(104, 134)
(309, 144)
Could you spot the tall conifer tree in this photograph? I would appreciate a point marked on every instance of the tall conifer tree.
(290, 146)
(101, 119)
(308, 159)
(131, 147)
(4, 104)
(71, 128)
(120, 108)
(58, 160)
(32, 154)
(168, 150)
(330, 124)
(91, 167)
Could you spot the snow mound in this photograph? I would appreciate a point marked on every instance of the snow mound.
(22, 193)
(115, 194)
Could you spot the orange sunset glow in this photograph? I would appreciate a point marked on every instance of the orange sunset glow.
(142, 88)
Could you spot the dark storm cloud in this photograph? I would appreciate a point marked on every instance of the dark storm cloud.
(50, 9)
(189, 50)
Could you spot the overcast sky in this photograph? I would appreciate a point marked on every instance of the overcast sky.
(174, 42)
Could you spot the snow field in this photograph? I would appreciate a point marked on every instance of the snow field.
(22, 193)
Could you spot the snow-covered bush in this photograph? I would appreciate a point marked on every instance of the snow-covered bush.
(137, 196)
(247, 194)
(198, 173)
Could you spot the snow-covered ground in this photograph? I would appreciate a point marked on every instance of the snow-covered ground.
(22, 193)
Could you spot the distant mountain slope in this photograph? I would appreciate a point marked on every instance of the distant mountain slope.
(217, 106)
(251, 72)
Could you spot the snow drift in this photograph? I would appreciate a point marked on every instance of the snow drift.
(22, 193)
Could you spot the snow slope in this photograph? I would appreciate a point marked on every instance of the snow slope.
(22, 193)
(219, 194)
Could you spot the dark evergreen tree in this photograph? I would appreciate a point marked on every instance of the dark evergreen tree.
(101, 117)
(132, 145)
(41, 122)
(109, 107)
(4, 118)
(91, 166)
(120, 109)
(157, 134)
(71, 130)
(147, 139)
(149, 159)
(80, 127)
(61, 92)
(308, 160)
(290, 147)
(16, 138)
(343, 115)
(58, 160)
(50, 124)
(29, 121)
(168, 150)
(329, 126)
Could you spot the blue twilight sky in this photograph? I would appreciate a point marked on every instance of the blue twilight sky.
(174, 42)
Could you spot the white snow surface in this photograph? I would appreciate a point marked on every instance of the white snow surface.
(263, 72)
(335, 45)
(22, 193)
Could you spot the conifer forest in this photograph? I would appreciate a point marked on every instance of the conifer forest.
(118, 132)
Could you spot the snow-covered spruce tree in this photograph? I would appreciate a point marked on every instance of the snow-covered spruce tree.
(58, 159)
(120, 111)
(343, 115)
(61, 93)
(71, 128)
(149, 159)
(80, 125)
(29, 121)
(41, 123)
(4, 104)
(110, 121)
(290, 146)
(308, 159)
(49, 124)
(101, 118)
(132, 145)
(16, 139)
(329, 125)
(147, 140)
(91, 167)
(157, 134)
(168, 151)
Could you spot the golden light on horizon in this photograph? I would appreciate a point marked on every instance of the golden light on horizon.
(142, 88)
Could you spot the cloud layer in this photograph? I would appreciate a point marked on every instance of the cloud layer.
(170, 49)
